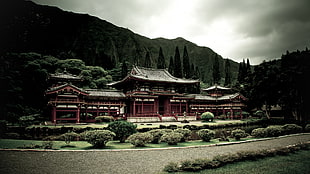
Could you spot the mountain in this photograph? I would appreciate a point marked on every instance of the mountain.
(28, 27)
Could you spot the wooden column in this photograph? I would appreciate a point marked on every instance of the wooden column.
(54, 114)
(134, 107)
(78, 115)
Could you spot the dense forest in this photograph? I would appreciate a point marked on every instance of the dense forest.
(40, 40)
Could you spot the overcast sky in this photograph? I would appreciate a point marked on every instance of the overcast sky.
(235, 29)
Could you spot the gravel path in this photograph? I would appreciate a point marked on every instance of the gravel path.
(127, 162)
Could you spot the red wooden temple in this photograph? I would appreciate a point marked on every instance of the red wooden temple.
(144, 95)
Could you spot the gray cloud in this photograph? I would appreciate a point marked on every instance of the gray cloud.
(236, 29)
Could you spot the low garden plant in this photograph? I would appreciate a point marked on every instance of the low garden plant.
(140, 139)
(207, 116)
(122, 129)
(98, 138)
(157, 133)
(172, 138)
(238, 134)
(185, 132)
(206, 134)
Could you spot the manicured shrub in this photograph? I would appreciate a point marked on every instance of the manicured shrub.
(238, 134)
(122, 129)
(172, 138)
(259, 133)
(140, 139)
(98, 138)
(69, 136)
(47, 144)
(291, 129)
(157, 133)
(206, 134)
(185, 132)
(207, 116)
(171, 167)
(274, 131)
(307, 128)
(100, 119)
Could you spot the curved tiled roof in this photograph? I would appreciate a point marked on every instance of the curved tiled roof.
(216, 87)
(156, 75)
(224, 97)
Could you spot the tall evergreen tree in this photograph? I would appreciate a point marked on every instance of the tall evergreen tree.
(186, 65)
(161, 64)
(216, 70)
(192, 72)
(227, 73)
(124, 69)
(178, 64)
(147, 62)
(248, 67)
(171, 66)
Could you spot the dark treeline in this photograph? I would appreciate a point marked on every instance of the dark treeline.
(280, 82)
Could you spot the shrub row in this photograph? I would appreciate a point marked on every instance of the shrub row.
(274, 131)
(221, 160)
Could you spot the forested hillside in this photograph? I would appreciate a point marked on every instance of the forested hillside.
(28, 27)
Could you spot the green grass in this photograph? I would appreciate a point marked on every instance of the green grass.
(298, 162)
(83, 145)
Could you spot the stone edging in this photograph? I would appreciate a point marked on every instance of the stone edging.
(152, 149)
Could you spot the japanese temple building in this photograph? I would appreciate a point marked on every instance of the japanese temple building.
(144, 95)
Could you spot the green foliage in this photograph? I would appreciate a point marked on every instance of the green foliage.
(185, 132)
(157, 133)
(307, 128)
(122, 129)
(186, 65)
(171, 167)
(161, 62)
(216, 70)
(172, 138)
(98, 138)
(274, 131)
(26, 120)
(104, 119)
(206, 134)
(291, 129)
(73, 66)
(177, 64)
(47, 144)
(140, 139)
(69, 136)
(259, 133)
(238, 134)
(207, 116)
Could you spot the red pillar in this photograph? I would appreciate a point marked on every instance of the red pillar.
(54, 114)
(134, 107)
(78, 115)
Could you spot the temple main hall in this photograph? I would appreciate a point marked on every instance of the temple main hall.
(144, 95)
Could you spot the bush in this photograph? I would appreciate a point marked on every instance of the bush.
(307, 128)
(185, 132)
(274, 131)
(291, 129)
(69, 136)
(157, 133)
(100, 119)
(171, 167)
(207, 116)
(140, 139)
(122, 129)
(47, 144)
(172, 138)
(238, 134)
(206, 134)
(26, 120)
(259, 133)
(98, 138)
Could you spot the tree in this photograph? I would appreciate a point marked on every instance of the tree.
(216, 70)
(178, 65)
(227, 73)
(122, 129)
(98, 138)
(161, 63)
(124, 69)
(171, 66)
(147, 62)
(186, 65)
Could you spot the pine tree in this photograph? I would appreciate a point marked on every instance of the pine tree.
(124, 69)
(192, 72)
(186, 65)
(227, 73)
(248, 67)
(216, 70)
(161, 64)
(171, 66)
(178, 64)
(147, 62)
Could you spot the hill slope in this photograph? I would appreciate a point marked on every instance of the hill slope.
(28, 27)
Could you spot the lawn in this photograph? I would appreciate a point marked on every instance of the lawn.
(298, 162)
(83, 145)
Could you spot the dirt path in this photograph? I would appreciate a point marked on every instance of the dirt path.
(114, 162)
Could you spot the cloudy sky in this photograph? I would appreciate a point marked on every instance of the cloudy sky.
(235, 29)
